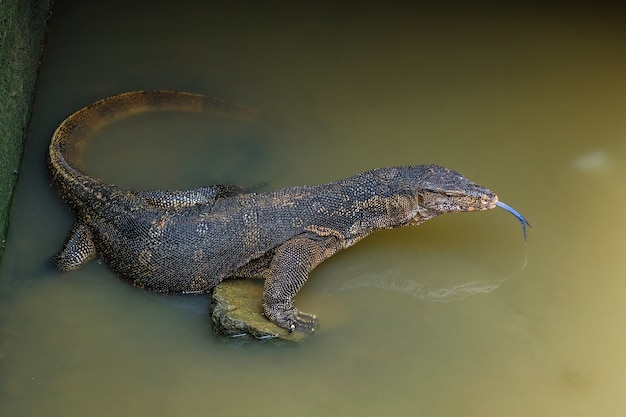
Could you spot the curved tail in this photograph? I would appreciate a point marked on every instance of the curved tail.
(67, 141)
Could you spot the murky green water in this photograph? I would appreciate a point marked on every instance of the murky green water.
(529, 102)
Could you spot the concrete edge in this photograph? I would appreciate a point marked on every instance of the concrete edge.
(22, 36)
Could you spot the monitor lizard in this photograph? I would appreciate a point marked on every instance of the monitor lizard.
(188, 241)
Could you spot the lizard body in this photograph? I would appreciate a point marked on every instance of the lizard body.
(189, 241)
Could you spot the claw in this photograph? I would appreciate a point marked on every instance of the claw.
(292, 319)
(517, 214)
(304, 322)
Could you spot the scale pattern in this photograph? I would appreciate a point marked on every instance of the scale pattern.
(188, 241)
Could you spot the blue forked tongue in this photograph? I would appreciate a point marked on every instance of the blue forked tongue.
(516, 213)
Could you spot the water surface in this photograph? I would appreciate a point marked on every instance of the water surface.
(454, 317)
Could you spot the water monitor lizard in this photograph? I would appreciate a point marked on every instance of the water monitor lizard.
(189, 241)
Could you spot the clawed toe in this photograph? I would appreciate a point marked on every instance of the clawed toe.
(292, 319)
(304, 322)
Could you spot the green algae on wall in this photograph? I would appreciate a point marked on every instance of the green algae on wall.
(22, 28)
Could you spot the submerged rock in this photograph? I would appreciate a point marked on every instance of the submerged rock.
(237, 312)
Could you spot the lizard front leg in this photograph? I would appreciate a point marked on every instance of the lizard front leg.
(289, 270)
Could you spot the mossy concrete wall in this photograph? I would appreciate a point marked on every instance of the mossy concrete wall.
(22, 30)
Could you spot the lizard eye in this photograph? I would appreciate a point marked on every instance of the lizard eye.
(454, 193)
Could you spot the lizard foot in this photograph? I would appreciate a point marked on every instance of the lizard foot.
(292, 319)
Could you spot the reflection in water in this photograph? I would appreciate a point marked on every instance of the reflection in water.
(436, 286)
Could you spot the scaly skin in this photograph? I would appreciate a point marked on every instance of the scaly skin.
(189, 241)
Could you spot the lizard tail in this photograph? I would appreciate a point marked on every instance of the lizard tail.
(64, 162)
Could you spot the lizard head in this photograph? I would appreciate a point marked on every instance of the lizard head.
(426, 191)
(442, 190)
(437, 190)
